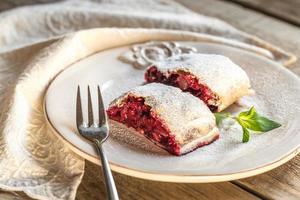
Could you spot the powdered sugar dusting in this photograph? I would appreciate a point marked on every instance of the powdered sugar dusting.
(186, 116)
(277, 97)
(219, 73)
(135, 140)
(274, 98)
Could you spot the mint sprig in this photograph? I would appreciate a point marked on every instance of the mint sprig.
(221, 116)
(246, 135)
(249, 120)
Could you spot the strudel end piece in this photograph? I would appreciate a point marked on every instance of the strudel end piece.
(215, 79)
(172, 119)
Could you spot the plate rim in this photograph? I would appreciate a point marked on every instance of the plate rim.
(169, 177)
(166, 177)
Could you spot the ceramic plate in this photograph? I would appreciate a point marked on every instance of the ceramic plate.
(277, 96)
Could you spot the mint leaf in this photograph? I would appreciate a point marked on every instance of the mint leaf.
(249, 120)
(266, 124)
(255, 122)
(221, 116)
(246, 135)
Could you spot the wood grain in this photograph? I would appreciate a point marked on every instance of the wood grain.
(282, 182)
(92, 187)
(8, 4)
(275, 31)
(287, 10)
(11, 195)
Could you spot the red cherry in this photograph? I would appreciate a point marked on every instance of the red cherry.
(134, 113)
(186, 81)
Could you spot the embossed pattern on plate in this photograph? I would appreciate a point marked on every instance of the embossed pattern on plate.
(277, 96)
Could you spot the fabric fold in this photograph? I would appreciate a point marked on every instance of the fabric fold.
(33, 52)
(52, 20)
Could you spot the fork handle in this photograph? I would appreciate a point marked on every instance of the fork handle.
(111, 189)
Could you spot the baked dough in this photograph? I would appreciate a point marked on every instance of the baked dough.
(221, 82)
(172, 119)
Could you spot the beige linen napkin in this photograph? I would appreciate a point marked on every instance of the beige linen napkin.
(33, 51)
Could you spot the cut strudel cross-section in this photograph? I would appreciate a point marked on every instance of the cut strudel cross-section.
(172, 119)
(215, 79)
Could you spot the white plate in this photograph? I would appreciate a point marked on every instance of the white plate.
(277, 96)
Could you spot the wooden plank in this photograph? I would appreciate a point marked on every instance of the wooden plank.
(129, 188)
(268, 28)
(9, 4)
(283, 182)
(280, 183)
(287, 10)
(11, 195)
(92, 187)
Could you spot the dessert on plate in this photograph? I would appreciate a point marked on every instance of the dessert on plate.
(174, 120)
(215, 79)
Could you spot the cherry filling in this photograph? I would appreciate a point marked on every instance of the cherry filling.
(134, 113)
(186, 82)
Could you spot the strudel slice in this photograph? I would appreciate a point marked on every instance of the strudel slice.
(215, 79)
(172, 119)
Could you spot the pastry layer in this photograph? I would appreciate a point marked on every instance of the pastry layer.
(175, 121)
(187, 82)
(134, 113)
(215, 79)
(200, 142)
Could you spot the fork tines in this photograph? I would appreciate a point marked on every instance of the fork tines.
(102, 113)
(101, 110)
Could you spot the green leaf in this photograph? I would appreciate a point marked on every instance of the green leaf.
(246, 135)
(267, 124)
(249, 120)
(253, 121)
(221, 116)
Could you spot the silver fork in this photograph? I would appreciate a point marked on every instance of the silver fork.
(96, 133)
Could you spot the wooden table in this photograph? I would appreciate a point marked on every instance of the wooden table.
(275, 21)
